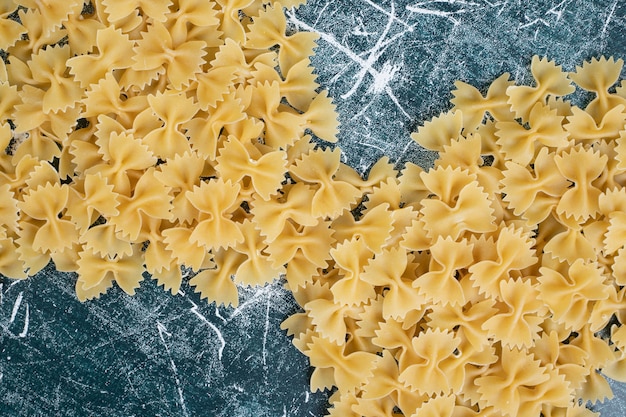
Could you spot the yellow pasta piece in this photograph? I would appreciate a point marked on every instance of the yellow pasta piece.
(550, 80)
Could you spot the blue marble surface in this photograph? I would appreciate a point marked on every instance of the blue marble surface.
(390, 66)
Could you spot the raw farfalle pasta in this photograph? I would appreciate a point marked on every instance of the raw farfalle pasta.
(498, 288)
(146, 137)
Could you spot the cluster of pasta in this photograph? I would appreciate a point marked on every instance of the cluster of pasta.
(155, 135)
(491, 284)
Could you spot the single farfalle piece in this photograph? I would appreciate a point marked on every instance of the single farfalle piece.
(90, 198)
(518, 385)
(149, 199)
(156, 51)
(48, 68)
(570, 245)
(581, 125)
(350, 258)
(243, 66)
(181, 174)
(96, 274)
(298, 86)
(466, 320)
(440, 284)
(431, 367)
(230, 22)
(581, 166)
(293, 203)
(266, 171)
(534, 192)
(516, 324)
(194, 20)
(349, 370)
(384, 383)
(216, 200)
(391, 269)
(192, 256)
(258, 268)
(103, 240)
(143, 123)
(205, 130)
(47, 203)
(439, 131)
(462, 206)
(126, 153)
(332, 196)
(550, 80)
(571, 290)
(216, 283)
(283, 126)
(216, 82)
(465, 153)
(114, 51)
(374, 227)
(520, 144)
(473, 105)
(598, 76)
(514, 252)
(329, 318)
(269, 29)
(108, 98)
(174, 108)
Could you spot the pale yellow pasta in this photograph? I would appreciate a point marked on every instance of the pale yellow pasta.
(173, 133)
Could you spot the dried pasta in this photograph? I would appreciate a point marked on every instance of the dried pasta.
(143, 137)
(491, 290)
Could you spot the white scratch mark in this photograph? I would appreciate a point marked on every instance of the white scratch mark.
(161, 328)
(389, 14)
(534, 22)
(608, 20)
(261, 292)
(384, 77)
(218, 315)
(213, 327)
(559, 9)
(306, 396)
(372, 146)
(1, 292)
(26, 322)
(284, 411)
(330, 39)
(375, 52)
(265, 330)
(439, 13)
(16, 306)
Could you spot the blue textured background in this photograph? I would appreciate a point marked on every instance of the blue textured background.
(390, 66)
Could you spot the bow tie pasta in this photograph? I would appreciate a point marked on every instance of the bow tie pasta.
(173, 135)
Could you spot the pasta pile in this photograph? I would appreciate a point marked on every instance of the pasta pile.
(155, 135)
(475, 288)
(164, 136)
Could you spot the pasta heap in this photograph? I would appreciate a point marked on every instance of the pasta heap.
(162, 136)
(143, 135)
(491, 284)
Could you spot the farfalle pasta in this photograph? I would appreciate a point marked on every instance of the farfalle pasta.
(508, 272)
(151, 137)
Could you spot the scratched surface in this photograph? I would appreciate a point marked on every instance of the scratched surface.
(389, 66)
